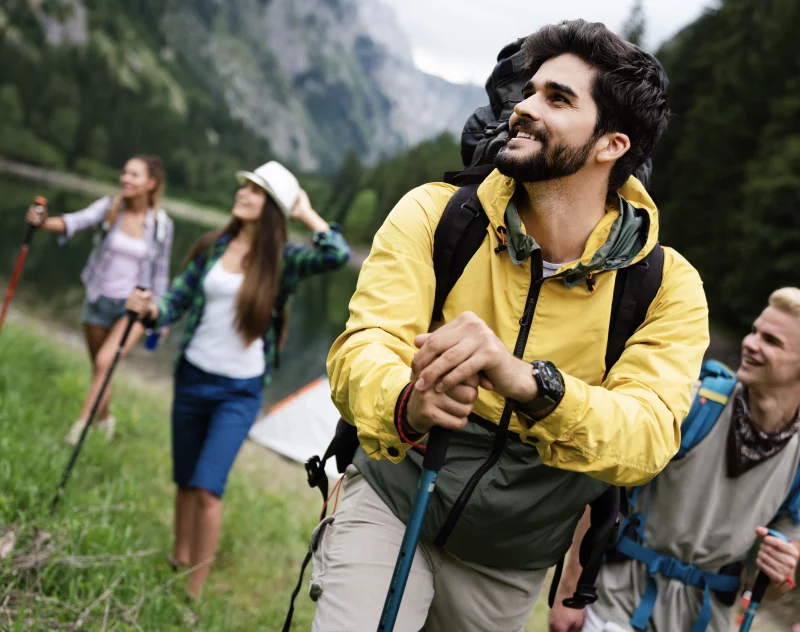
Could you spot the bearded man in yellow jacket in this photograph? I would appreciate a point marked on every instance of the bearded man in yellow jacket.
(534, 302)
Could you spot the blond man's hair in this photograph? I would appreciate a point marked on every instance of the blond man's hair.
(787, 300)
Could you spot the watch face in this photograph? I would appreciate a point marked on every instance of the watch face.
(545, 374)
(548, 376)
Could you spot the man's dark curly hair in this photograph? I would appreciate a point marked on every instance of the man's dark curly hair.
(629, 87)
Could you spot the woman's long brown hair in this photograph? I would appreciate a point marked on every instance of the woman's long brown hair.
(262, 269)
(155, 169)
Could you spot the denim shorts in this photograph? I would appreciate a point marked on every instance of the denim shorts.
(103, 312)
(211, 417)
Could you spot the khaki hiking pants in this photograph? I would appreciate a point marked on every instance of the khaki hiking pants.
(354, 560)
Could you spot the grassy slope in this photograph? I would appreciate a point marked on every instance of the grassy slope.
(119, 503)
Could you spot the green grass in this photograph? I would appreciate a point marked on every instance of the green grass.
(102, 552)
(101, 555)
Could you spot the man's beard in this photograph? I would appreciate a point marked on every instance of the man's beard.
(546, 164)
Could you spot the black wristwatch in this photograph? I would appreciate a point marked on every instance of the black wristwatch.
(550, 384)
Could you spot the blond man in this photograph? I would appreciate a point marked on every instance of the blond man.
(712, 502)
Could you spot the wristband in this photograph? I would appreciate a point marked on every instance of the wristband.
(404, 430)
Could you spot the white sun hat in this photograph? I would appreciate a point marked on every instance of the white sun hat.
(277, 181)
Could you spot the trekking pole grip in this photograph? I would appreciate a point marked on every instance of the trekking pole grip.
(436, 448)
(40, 202)
(762, 579)
(760, 587)
(133, 316)
(759, 590)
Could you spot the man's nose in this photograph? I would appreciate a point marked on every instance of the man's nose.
(526, 109)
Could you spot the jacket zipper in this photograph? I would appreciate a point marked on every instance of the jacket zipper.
(525, 322)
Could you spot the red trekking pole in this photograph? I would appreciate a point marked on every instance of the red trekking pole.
(23, 253)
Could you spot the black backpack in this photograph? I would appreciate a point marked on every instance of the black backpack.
(486, 130)
(458, 236)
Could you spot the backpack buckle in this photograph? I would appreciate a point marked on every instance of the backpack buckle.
(490, 128)
(473, 206)
(315, 473)
(585, 594)
(495, 127)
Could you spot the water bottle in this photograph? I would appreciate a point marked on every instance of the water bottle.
(151, 340)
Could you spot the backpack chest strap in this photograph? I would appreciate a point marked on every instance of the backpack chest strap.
(673, 568)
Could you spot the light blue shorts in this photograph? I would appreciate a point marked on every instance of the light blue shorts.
(103, 312)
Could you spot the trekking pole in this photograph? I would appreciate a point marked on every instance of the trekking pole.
(23, 254)
(759, 589)
(435, 451)
(132, 318)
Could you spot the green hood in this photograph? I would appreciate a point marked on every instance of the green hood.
(626, 239)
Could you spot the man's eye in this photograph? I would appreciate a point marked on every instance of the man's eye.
(559, 98)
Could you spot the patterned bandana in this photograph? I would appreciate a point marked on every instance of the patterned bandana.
(748, 445)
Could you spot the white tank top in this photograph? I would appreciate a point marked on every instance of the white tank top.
(125, 255)
(216, 346)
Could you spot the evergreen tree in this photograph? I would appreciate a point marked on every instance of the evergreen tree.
(635, 26)
(727, 170)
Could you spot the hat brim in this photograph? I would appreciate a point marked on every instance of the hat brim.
(245, 176)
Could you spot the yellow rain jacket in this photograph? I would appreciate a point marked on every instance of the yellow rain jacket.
(620, 430)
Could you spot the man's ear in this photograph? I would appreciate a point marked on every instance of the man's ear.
(612, 146)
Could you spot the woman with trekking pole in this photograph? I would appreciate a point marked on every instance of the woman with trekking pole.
(235, 287)
(132, 243)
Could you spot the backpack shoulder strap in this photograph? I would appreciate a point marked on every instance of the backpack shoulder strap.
(103, 228)
(606, 513)
(474, 174)
(162, 220)
(716, 385)
(715, 368)
(634, 290)
(459, 234)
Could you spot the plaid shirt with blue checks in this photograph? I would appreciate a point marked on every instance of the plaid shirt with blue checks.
(330, 252)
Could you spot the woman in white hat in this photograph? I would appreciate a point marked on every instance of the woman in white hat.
(234, 286)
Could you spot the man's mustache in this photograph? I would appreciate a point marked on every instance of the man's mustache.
(528, 127)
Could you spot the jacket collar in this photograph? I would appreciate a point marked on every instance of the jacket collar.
(626, 233)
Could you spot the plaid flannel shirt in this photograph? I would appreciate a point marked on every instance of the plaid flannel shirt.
(330, 252)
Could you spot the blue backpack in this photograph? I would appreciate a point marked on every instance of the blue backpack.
(717, 384)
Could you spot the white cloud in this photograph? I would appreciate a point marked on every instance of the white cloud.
(460, 39)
